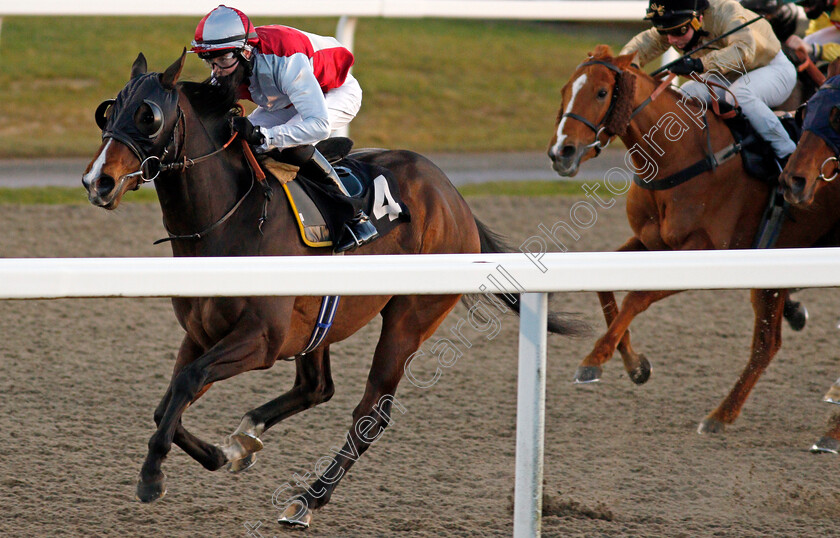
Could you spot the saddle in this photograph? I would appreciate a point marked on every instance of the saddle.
(319, 215)
(760, 162)
(757, 155)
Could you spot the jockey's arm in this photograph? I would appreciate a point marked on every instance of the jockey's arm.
(648, 46)
(296, 79)
(747, 49)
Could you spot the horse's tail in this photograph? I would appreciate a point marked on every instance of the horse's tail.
(558, 322)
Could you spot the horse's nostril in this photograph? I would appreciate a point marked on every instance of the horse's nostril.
(104, 185)
(797, 184)
(568, 152)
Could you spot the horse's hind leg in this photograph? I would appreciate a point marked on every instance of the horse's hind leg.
(767, 339)
(406, 322)
(313, 385)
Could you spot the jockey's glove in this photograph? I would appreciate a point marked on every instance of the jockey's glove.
(686, 66)
(251, 134)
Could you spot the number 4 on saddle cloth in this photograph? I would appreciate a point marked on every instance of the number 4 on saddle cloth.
(321, 212)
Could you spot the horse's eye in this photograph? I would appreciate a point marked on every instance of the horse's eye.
(602, 93)
(149, 119)
(834, 118)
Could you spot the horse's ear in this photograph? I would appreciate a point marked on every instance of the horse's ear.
(139, 66)
(170, 76)
(601, 51)
(624, 61)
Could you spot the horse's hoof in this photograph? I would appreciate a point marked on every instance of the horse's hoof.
(296, 514)
(796, 315)
(826, 445)
(641, 373)
(151, 491)
(248, 442)
(244, 464)
(833, 395)
(587, 374)
(711, 425)
(239, 446)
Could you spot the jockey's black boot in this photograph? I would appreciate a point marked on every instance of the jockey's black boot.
(359, 230)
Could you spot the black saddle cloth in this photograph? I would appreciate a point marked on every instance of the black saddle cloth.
(373, 190)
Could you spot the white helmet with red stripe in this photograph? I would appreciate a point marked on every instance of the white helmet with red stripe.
(224, 28)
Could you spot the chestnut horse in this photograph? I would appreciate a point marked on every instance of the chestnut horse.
(175, 134)
(808, 180)
(719, 208)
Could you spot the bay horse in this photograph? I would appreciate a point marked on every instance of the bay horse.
(720, 207)
(173, 133)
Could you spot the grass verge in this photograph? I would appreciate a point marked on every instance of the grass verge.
(429, 84)
(77, 196)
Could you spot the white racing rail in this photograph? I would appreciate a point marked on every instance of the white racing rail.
(531, 274)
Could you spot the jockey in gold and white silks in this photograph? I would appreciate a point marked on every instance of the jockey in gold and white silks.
(749, 61)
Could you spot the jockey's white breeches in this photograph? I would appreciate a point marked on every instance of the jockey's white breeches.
(756, 92)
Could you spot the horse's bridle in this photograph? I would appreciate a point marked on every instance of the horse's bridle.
(601, 127)
(151, 166)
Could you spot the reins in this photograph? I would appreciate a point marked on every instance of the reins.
(710, 160)
(185, 163)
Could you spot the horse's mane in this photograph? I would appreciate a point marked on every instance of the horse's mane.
(210, 101)
(619, 120)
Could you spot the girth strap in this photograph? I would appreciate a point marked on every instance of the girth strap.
(707, 163)
(329, 304)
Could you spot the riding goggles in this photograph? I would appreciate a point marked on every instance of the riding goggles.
(221, 61)
(676, 32)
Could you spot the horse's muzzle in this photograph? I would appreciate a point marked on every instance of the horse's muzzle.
(795, 189)
(565, 160)
(102, 191)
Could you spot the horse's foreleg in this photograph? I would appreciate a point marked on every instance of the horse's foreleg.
(634, 303)
(407, 322)
(767, 339)
(244, 349)
(313, 385)
(636, 365)
(208, 455)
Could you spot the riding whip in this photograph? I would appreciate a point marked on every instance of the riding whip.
(701, 47)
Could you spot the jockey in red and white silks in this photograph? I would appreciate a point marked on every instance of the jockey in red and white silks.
(303, 89)
(302, 86)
